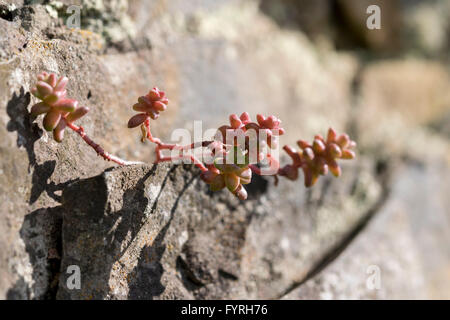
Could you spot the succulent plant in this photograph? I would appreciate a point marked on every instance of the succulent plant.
(231, 176)
(61, 112)
(314, 159)
(149, 105)
(319, 157)
(233, 164)
(57, 108)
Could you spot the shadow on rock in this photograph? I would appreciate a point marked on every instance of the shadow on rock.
(41, 234)
(129, 220)
(96, 235)
(145, 282)
(41, 174)
(20, 120)
(27, 134)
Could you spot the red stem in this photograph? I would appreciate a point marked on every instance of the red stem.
(149, 134)
(165, 146)
(100, 151)
(181, 157)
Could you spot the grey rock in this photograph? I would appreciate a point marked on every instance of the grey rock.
(109, 65)
(156, 232)
(404, 253)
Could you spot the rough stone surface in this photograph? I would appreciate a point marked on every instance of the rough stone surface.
(192, 50)
(163, 235)
(146, 232)
(404, 253)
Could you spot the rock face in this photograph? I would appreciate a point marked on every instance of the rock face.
(147, 232)
(182, 48)
(402, 254)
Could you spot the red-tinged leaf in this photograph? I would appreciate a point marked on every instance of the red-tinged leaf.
(245, 117)
(208, 176)
(308, 153)
(44, 88)
(343, 141)
(310, 177)
(290, 151)
(153, 114)
(154, 94)
(271, 122)
(303, 144)
(158, 105)
(51, 120)
(42, 76)
(260, 119)
(39, 108)
(245, 181)
(145, 101)
(54, 97)
(139, 107)
(318, 146)
(66, 105)
(77, 114)
(231, 181)
(334, 150)
(278, 131)
(235, 122)
(348, 154)
(319, 137)
(331, 137)
(322, 166)
(246, 175)
(218, 183)
(52, 80)
(241, 193)
(58, 132)
(334, 168)
(61, 85)
(35, 92)
(137, 120)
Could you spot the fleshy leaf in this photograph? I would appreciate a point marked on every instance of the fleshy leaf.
(137, 120)
(51, 120)
(39, 108)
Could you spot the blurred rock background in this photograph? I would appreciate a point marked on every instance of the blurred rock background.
(312, 63)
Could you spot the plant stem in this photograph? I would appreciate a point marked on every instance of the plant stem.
(165, 146)
(197, 162)
(274, 166)
(100, 151)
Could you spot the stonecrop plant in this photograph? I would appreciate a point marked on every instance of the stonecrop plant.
(228, 160)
